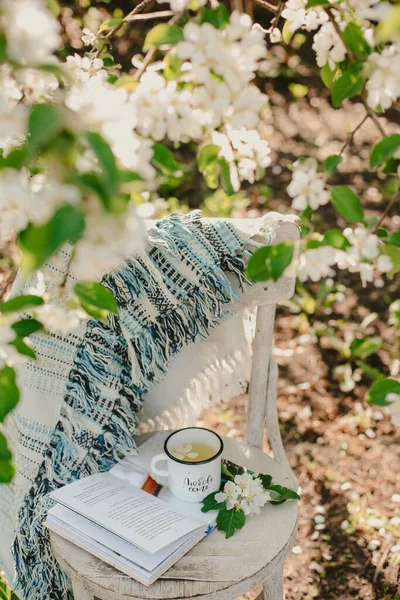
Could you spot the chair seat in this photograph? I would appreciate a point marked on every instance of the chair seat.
(214, 568)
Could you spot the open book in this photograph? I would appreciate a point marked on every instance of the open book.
(128, 520)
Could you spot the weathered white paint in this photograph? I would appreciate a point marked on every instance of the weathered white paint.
(214, 569)
(259, 374)
(220, 569)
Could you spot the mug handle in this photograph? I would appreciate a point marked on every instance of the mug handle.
(158, 458)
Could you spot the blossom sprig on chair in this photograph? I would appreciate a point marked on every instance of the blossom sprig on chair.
(244, 495)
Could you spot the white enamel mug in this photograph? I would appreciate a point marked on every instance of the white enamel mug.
(191, 481)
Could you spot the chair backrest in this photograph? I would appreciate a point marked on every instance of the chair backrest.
(264, 369)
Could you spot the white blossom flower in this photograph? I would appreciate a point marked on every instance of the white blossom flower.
(373, 10)
(328, 46)
(15, 202)
(245, 493)
(108, 241)
(88, 37)
(36, 84)
(26, 200)
(383, 85)
(83, 68)
(57, 318)
(8, 353)
(13, 114)
(229, 495)
(307, 187)
(394, 407)
(275, 36)
(384, 263)
(316, 263)
(97, 105)
(180, 5)
(295, 12)
(364, 244)
(32, 32)
(184, 451)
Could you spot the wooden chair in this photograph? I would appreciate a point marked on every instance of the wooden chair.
(220, 569)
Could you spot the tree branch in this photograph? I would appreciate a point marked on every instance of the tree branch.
(265, 4)
(150, 53)
(387, 210)
(137, 9)
(352, 134)
(161, 14)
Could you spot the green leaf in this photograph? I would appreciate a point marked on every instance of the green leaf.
(363, 347)
(385, 149)
(269, 262)
(110, 23)
(93, 182)
(20, 303)
(162, 34)
(16, 159)
(96, 299)
(127, 176)
(3, 48)
(335, 238)
(395, 238)
(266, 480)
(347, 203)
(225, 171)
(207, 155)
(45, 122)
(164, 159)
(280, 494)
(348, 85)
(27, 327)
(7, 469)
(354, 39)
(106, 159)
(230, 520)
(393, 251)
(369, 371)
(378, 392)
(39, 242)
(312, 3)
(332, 163)
(9, 392)
(210, 503)
(218, 17)
(391, 166)
(327, 75)
(382, 233)
(23, 348)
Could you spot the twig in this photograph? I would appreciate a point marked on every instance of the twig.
(352, 134)
(338, 31)
(137, 9)
(150, 53)
(387, 210)
(275, 20)
(374, 118)
(161, 14)
(265, 4)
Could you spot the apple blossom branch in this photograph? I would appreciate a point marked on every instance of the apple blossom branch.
(352, 57)
(137, 9)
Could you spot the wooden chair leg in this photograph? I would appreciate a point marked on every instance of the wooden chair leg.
(274, 434)
(80, 593)
(273, 588)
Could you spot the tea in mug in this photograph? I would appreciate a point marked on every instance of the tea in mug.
(195, 452)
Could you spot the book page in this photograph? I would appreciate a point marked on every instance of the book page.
(127, 511)
(84, 528)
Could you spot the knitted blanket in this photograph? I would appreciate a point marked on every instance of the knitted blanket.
(168, 297)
